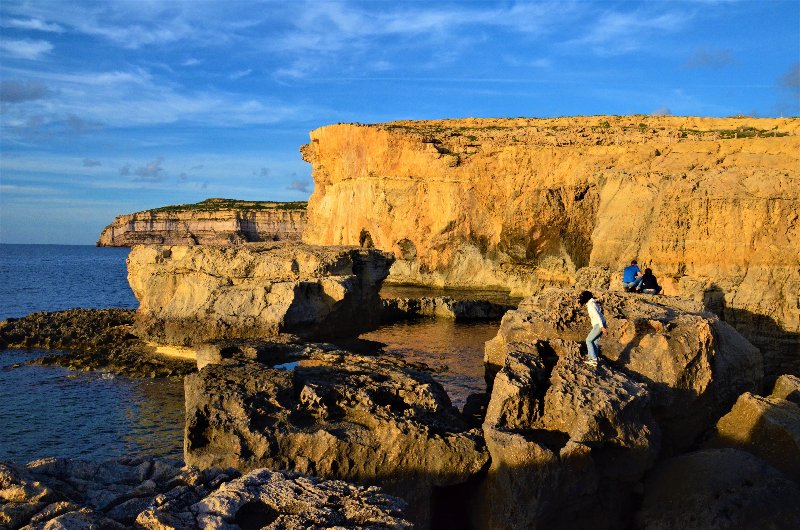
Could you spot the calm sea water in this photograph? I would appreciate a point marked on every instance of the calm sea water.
(50, 411)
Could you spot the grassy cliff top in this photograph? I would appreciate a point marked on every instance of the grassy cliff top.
(215, 205)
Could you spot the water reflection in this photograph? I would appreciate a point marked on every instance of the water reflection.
(453, 349)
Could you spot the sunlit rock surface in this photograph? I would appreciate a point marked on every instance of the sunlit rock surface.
(201, 293)
(710, 204)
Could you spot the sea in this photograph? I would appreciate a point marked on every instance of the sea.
(51, 411)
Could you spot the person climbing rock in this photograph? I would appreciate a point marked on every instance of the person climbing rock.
(649, 283)
(598, 326)
(631, 276)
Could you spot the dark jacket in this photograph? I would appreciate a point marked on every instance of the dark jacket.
(649, 282)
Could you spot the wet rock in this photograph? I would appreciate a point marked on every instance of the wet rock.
(694, 365)
(768, 427)
(567, 443)
(721, 489)
(97, 339)
(199, 294)
(272, 499)
(335, 415)
(443, 307)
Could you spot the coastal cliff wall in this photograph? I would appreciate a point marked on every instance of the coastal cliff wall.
(211, 222)
(711, 204)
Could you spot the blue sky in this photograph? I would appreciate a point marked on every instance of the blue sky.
(115, 107)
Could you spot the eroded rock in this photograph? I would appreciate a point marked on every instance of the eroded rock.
(694, 365)
(198, 294)
(335, 415)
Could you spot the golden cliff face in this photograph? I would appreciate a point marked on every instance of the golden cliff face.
(202, 224)
(710, 204)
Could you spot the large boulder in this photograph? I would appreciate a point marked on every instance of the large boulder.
(334, 415)
(724, 489)
(567, 443)
(768, 427)
(198, 294)
(694, 365)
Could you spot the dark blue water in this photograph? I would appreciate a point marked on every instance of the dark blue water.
(50, 411)
(56, 277)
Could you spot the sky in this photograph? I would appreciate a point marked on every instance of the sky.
(114, 107)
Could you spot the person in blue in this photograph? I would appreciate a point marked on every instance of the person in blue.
(649, 284)
(632, 276)
(598, 326)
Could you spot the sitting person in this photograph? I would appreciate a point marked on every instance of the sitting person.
(632, 276)
(649, 284)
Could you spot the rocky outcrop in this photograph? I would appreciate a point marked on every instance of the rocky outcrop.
(768, 427)
(694, 365)
(568, 443)
(525, 203)
(211, 222)
(723, 488)
(442, 307)
(96, 339)
(334, 415)
(198, 294)
(152, 494)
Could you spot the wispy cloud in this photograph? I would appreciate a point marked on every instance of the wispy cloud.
(87, 162)
(14, 91)
(26, 48)
(32, 23)
(300, 185)
(707, 58)
(621, 32)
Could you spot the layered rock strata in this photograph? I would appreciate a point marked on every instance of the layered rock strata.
(334, 415)
(709, 203)
(211, 222)
(694, 365)
(152, 494)
(198, 294)
(442, 307)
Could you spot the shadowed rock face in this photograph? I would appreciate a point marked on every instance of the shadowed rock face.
(522, 204)
(197, 294)
(151, 494)
(334, 416)
(694, 365)
(723, 488)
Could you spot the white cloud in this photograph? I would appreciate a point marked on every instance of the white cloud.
(26, 48)
(34, 24)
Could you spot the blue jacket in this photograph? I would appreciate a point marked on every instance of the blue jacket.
(629, 274)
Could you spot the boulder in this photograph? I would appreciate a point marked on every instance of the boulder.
(694, 365)
(768, 427)
(279, 500)
(724, 489)
(787, 387)
(199, 294)
(333, 415)
(567, 443)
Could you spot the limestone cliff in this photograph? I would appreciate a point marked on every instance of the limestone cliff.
(711, 204)
(210, 222)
